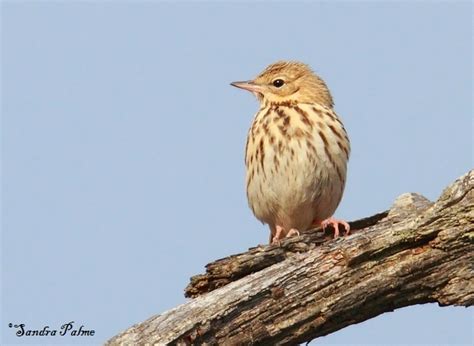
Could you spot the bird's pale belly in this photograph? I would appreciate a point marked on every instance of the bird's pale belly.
(296, 191)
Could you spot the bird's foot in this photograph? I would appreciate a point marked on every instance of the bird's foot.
(335, 224)
(292, 232)
(280, 234)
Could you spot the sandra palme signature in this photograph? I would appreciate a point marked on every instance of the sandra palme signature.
(67, 329)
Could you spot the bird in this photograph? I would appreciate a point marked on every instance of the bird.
(296, 152)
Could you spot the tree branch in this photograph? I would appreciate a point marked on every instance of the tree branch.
(310, 286)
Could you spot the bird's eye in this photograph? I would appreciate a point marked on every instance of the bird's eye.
(278, 83)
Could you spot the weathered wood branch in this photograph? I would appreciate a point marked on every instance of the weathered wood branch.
(310, 286)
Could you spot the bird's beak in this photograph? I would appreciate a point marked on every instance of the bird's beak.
(248, 85)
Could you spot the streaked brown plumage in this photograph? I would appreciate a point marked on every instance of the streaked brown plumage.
(296, 153)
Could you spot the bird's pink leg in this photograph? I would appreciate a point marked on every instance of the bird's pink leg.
(278, 235)
(335, 224)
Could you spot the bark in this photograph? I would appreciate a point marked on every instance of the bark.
(309, 286)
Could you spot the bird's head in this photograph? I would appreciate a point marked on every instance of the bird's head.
(288, 81)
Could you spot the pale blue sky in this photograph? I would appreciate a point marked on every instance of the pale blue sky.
(122, 161)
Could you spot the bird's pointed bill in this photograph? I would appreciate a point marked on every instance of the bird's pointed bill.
(248, 85)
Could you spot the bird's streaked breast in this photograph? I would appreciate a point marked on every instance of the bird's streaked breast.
(295, 154)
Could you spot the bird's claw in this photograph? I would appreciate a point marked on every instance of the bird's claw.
(335, 224)
(293, 232)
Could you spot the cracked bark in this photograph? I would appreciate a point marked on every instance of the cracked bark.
(417, 252)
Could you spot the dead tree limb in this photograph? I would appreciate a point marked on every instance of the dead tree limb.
(417, 252)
